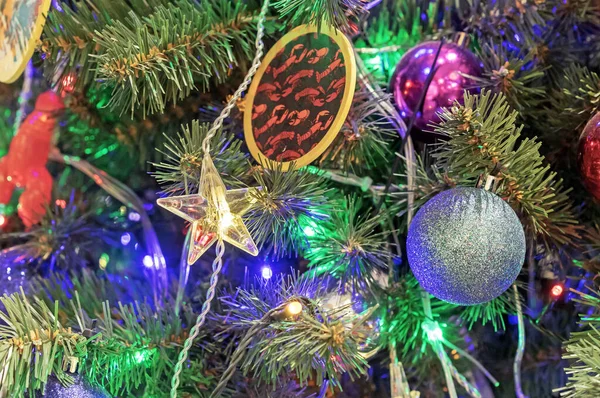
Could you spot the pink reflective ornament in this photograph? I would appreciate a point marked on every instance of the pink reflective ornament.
(589, 156)
(450, 79)
(24, 166)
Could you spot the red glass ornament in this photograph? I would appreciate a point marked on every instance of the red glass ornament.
(589, 156)
(451, 77)
(24, 166)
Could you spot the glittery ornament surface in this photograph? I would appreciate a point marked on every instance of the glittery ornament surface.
(449, 80)
(466, 246)
(14, 271)
(80, 389)
(589, 156)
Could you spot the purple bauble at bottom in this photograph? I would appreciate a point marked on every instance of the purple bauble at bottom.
(452, 75)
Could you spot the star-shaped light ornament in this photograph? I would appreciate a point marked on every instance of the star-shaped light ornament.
(215, 213)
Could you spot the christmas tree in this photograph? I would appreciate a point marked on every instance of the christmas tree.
(299, 198)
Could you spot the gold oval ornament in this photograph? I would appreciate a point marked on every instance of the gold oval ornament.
(21, 24)
(300, 97)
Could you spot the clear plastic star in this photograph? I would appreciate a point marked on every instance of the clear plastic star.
(215, 213)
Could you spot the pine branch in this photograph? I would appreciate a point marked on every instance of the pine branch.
(68, 237)
(484, 136)
(150, 53)
(348, 247)
(180, 170)
(365, 138)
(69, 38)
(163, 57)
(31, 331)
(314, 344)
(402, 319)
(582, 91)
(286, 204)
(129, 349)
(397, 27)
(339, 14)
(583, 351)
(494, 311)
(517, 77)
(512, 21)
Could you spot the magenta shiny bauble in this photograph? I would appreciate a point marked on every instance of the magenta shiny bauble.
(447, 85)
(589, 156)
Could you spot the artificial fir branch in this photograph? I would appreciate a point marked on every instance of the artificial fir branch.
(493, 311)
(394, 30)
(581, 89)
(348, 245)
(516, 77)
(339, 14)
(179, 172)
(150, 53)
(69, 40)
(163, 57)
(314, 344)
(287, 203)
(30, 330)
(68, 237)
(483, 136)
(129, 349)
(583, 351)
(365, 138)
(403, 318)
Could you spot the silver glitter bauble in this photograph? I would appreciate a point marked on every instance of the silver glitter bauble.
(15, 270)
(466, 246)
(80, 389)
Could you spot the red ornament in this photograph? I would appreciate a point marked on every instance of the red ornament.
(589, 156)
(25, 164)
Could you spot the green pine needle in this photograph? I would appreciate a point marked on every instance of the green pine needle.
(33, 338)
(484, 136)
(313, 345)
(69, 39)
(493, 311)
(348, 246)
(509, 75)
(150, 52)
(583, 352)
(402, 319)
(334, 13)
(128, 349)
(161, 58)
(179, 172)
(365, 138)
(67, 237)
(285, 204)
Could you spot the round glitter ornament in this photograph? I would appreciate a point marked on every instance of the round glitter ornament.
(466, 246)
(449, 80)
(589, 156)
(15, 272)
(81, 388)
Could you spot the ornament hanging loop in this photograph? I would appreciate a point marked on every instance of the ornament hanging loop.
(491, 180)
